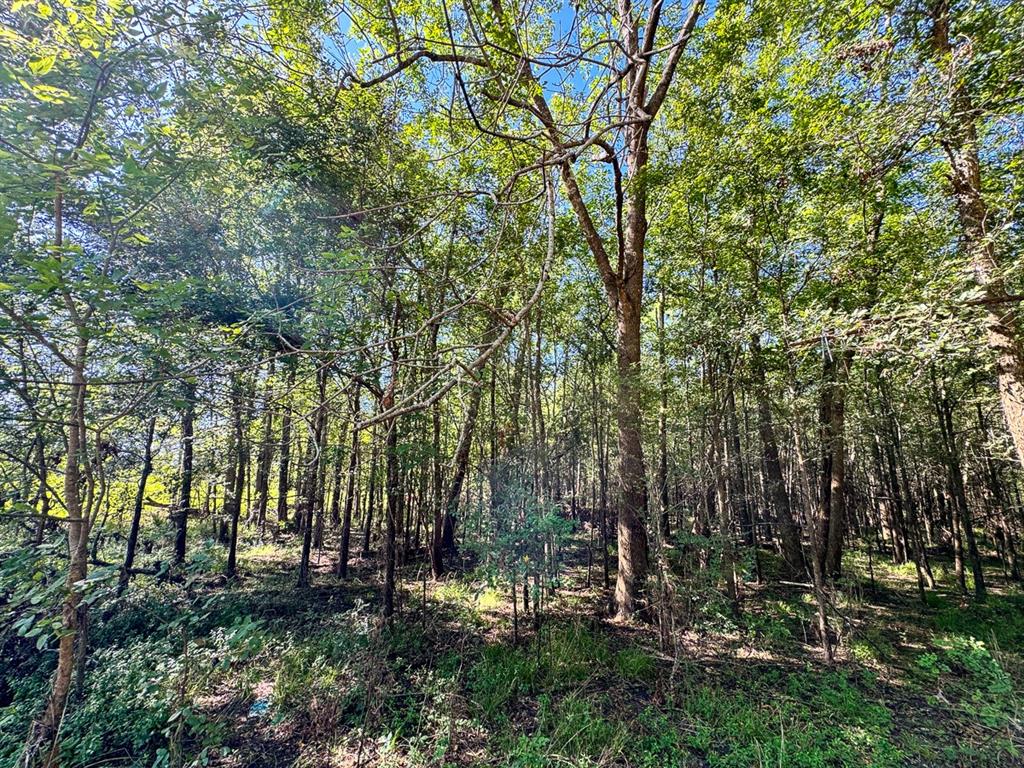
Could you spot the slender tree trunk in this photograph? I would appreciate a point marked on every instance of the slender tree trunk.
(266, 457)
(311, 475)
(718, 461)
(371, 499)
(735, 462)
(42, 500)
(663, 501)
(437, 503)
(140, 496)
(188, 417)
(42, 744)
(832, 497)
(336, 489)
(392, 488)
(284, 467)
(1000, 501)
(234, 486)
(789, 533)
(460, 465)
(961, 511)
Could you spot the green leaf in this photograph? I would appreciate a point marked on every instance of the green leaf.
(43, 65)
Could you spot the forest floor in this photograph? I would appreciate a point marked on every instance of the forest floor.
(914, 685)
(259, 673)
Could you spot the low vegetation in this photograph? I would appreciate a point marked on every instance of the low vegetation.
(520, 383)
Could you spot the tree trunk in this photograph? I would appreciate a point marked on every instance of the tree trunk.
(832, 497)
(1002, 324)
(42, 744)
(734, 461)
(140, 495)
(235, 483)
(437, 503)
(663, 502)
(286, 452)
(393, 490)
(371, 498)
(789, 533)
(718, 462)
(311, 475)
(961, 511)
(266, 457)
(632, 533)
(188, 417)
(460, 465)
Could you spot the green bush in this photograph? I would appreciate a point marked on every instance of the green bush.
(971, 674)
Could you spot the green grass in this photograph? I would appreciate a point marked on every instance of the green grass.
(921, 685)
(800, 719)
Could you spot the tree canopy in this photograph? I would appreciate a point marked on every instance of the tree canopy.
(658, 315)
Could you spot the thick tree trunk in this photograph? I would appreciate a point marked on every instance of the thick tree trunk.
(1002, 323)
(632, 532)
(832, 495)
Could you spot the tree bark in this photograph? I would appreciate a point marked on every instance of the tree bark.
(460, 465)
(286, 452)
(188, 417)
(962, 523)
(789, 533)
(266, 457)
(632, 533)
(350, 490)
(663, 501)
(734, 460)
(832, 494)
(307, 509)
(371, 499)
(42, 744)
(437, 502)
(718, 462)
(140, 495)
(235, 482)
(961, 144)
